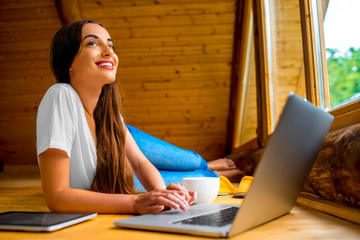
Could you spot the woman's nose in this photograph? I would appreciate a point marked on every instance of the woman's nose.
(107, 51)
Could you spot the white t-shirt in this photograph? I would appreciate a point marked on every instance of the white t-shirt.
(61, 124)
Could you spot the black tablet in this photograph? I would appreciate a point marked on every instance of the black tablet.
(41, 221)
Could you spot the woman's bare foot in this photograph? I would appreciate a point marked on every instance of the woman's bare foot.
(221, 164)
(233, 175)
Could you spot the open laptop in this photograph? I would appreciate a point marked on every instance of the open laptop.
(278, 180)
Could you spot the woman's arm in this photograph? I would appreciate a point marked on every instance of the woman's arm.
(59, 196)
(146, 173)
(55, 169)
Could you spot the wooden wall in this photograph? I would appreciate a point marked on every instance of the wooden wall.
(26, 29)
(288, 52)
(175, 63)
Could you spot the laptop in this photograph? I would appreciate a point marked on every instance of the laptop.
(278, 180)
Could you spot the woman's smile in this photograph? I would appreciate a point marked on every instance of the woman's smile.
(106, 64)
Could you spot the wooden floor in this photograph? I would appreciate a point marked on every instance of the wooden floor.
(20, 190)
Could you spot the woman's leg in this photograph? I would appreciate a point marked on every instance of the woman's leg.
(176, 176)
(175, 163)
(165, 156)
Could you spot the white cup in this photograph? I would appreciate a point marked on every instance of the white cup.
(207, 188)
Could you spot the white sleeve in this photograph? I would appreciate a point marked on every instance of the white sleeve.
(55, 124)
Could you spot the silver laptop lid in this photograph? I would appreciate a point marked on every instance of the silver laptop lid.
(285, 164)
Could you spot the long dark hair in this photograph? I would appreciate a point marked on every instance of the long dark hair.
(114, 173)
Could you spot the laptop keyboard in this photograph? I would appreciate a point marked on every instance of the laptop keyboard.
(219, 218)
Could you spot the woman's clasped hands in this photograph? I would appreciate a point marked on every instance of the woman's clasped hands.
(173, 197)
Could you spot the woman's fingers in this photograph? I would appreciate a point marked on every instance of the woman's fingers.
(181, 190)
(158, 200)
(175, 197)
(153, 209)
(193, 198)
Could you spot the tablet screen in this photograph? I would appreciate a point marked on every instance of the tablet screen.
(41, 221)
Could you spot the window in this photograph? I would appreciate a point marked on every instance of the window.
(321, 77)
(342, 43)
(294, 55)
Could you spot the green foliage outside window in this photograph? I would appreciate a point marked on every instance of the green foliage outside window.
(343, 76)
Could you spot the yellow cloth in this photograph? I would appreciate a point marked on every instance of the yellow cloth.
(226, 187)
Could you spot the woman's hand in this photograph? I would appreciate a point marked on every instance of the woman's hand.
(159, 200)
(189, 196)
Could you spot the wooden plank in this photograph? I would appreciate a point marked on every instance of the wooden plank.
(43, 72)
(155, 10)
(216, 141)
(165, 31)
(127, 3)
(184, 113)
(21, 25)
(24, 45)
(175, 51)
(285, 24)
(346, 115)
(173, 60)
(31, 34)
(21, 105)
(162, 20)
(27, 14)
(172, 41)
(129, 102)
(181, 110)
(148, 86)
(161, 118)
(175, 77)
(29, 54)
(241, 67)
(33, 64)
(208, 67)
(23, 4)
(177, 93)
(183, 128)
(333, 208)
(265, 104)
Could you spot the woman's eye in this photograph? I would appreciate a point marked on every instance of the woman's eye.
(92, 44)
(111, 46)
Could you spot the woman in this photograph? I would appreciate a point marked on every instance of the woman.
(86, 154)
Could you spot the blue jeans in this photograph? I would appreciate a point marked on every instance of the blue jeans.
(173, 163)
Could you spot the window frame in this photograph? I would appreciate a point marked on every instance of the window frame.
(266, 83)
(315, 71)
(315, 61)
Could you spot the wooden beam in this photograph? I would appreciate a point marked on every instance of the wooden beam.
(309, 52)
(236, 69)
(69, 11)
(265, 95)
(317, 88)
(243, 75)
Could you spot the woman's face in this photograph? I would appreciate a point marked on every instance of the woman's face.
(96, 62)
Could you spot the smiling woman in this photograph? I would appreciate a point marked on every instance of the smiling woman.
(77, 170)
(87, 155)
